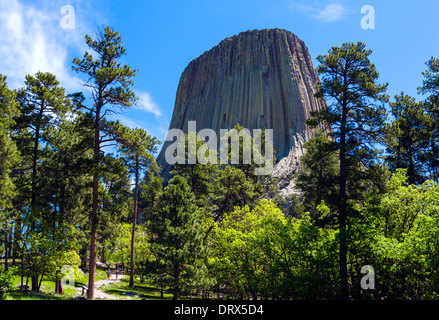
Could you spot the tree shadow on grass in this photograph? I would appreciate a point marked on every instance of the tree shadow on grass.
(144, 291)
(17, 295)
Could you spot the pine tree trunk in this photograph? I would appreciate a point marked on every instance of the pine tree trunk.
(92, 262)
(343, 205)
(17, 233)
(94, 213)
(34, 278)
(21, 280)
(176, 282)
(27, 281)
(6, 230)
(34, 282)
(136, 196)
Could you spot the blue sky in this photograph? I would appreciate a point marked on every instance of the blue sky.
(162, 37)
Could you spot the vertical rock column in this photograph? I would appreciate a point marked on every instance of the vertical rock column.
(261, 79)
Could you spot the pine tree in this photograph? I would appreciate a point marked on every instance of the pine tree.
(319, 171)
(8, 149)
(177, 229)
(408, 137)
(67, 177)
(42, 103)
(354, 113)
(151, 187)
(9, 158)
(110, 84)
(430, 85)
(199, 176)
(137, 149)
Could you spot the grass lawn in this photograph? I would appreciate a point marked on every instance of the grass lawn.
(48, 287)
(119, 289)
(141, 291)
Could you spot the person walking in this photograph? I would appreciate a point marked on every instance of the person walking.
(108, 273)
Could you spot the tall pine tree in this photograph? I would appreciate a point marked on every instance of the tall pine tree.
(177, 230)
(430, 85)
(110, 84)
(43, 103)
(8, 149)
(9, 157)
(137, 149)
(356, 117)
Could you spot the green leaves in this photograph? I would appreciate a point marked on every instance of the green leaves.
(403, 235)
(109, 80)
(110, 84)
(43, 98)
(137, 147)
(348, 81)
(260, 252)
(430, 85)
(9, 155)
(431, 82)
(6, 284)
(408, 137)
(178, 233)
(318, 178)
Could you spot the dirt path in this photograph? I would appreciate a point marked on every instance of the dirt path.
(100, 295)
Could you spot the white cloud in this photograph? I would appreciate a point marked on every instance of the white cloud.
(33, 40)
(146, 103)
(127, 121)
(332, 12)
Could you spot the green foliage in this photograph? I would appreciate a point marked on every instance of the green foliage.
(231, 189)
(118, 246)
(177, 231)
(430, 85)
(356, 119)
(408, 137)
(136, 146)
(238, 258)
(6, 283)
(319, 172)
(354, 115)
(260, 253)
(109, 80)
(199, 176)
(8, 150)
(151, 188)
(404, 244)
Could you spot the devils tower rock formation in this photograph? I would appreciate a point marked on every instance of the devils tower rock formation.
(261, 79)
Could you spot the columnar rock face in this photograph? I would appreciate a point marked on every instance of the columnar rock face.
(261, 79)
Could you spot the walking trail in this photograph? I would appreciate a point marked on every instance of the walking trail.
(100, 295)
